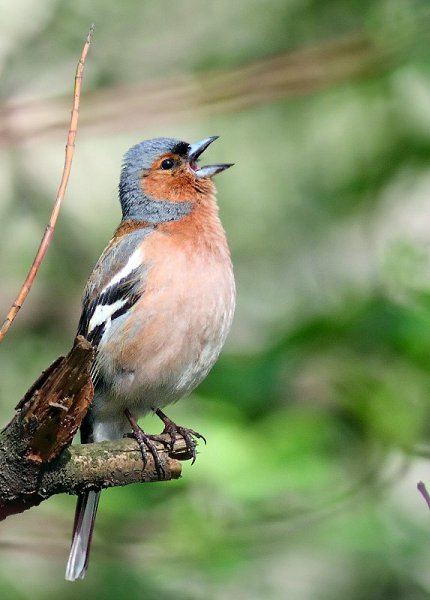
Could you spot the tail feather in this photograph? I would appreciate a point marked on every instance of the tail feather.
(85, 516)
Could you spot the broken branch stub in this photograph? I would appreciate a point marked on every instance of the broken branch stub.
(52, 410)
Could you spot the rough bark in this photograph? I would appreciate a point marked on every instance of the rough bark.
(36, 459)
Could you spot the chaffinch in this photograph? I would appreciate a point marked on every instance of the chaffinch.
(157, 306)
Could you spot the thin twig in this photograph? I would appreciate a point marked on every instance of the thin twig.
(49, 231)
(423, 491)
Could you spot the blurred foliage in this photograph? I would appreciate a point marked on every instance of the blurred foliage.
(317, 414)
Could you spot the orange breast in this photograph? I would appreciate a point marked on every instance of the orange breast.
(178, 327)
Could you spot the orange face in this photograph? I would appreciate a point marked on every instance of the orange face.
(172, 177)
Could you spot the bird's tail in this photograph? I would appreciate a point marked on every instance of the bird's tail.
(85, 516)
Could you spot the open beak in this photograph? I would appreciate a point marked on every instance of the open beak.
(194, 153)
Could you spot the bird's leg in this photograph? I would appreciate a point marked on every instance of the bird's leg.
(145, 442)
(172, 430)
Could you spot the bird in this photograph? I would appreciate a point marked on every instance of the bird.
(157, 306)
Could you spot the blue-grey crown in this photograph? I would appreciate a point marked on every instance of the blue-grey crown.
(142, 155)
(134, 203)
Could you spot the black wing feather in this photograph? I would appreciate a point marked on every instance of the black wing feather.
(126, 289)
(98, 291)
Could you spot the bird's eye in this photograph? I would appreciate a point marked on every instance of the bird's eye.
(167, 163)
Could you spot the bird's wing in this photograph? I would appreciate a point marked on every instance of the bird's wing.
(115, 285)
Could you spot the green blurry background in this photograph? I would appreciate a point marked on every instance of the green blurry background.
(317, 414)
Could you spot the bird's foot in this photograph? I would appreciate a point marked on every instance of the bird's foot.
(146, 444)
(189, 435)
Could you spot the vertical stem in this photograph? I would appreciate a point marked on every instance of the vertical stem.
(49, 231)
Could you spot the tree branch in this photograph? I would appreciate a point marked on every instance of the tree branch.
(36, 459)
(25, 483)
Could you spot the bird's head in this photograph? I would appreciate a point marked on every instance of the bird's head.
(161, 179)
